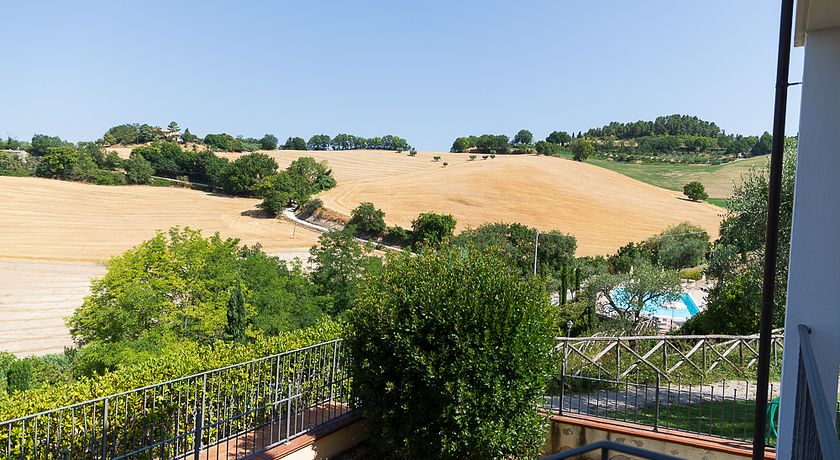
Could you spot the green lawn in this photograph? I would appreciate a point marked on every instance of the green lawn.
(728, 418)
(717, 179)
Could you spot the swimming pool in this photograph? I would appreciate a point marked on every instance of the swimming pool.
(683, 308)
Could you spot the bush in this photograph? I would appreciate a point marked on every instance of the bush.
(436, 158)
(693, 273)
(19, 375)
(57, 162)
(445, 164)
(10, 165)
(109, 178)
(492, 155)
(695, 191)
(412, 152)
(451, 353)
(432, 229)
(397, 236)
(582, 148)
(473, 157)
(368, 219)
(138, 170)
(311, 207)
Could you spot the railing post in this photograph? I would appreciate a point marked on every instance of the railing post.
(105, 430)
(199, 419)
(563, 376)
(656, 404)
(289, 413)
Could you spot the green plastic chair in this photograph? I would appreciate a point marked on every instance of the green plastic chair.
(772, 414)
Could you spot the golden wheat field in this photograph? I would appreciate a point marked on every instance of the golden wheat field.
(55, 236)
(602, 208)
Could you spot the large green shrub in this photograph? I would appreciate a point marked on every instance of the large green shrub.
(451, 355)
(368, 219)
(432, 229)
(19, 375)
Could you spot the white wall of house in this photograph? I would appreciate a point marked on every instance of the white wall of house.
(814, 279)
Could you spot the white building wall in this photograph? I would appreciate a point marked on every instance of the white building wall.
(814, 279)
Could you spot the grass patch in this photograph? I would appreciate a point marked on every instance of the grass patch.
(717, 179)
(727, 418)
(720, 202)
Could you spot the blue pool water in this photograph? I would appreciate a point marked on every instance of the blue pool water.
(685, 307)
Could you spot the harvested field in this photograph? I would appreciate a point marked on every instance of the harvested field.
(55, 236)
(602, 208)
(59, 220)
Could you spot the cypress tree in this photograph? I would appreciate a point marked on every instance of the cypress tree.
(236, 315)
(563, 287)
(577, 280)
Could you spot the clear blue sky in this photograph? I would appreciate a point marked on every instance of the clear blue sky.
(426, 70)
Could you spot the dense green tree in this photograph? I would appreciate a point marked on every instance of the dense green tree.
(456, 343)
(57, 162)
(340, 265)
(489, 143)
(547, 148)
(680, 246)
(268, 142)
(515, 242)
(189, 137)
(244, 173)
(582, 148)
(523, 137)
(559, 137)
(462, 144)
(224, 142)
(281, 190)
(432, 229)
(316, 173)
(177, 286)
(628, 255)
(368, 219)
(209, 168)
(295, 143)
(125, 134)
(138, 170)
(237, 315)
(695, 191)
(41, 144)
(318, 142)
(763, 145)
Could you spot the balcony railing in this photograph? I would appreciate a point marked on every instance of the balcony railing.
(238, 410)
(814, 434)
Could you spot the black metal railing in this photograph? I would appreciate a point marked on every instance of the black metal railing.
(605, 447)
(723, 410)
(814, 435)
(236, 411)
(667, 382)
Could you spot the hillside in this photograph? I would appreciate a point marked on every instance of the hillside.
(718, 179)
(602, 208)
